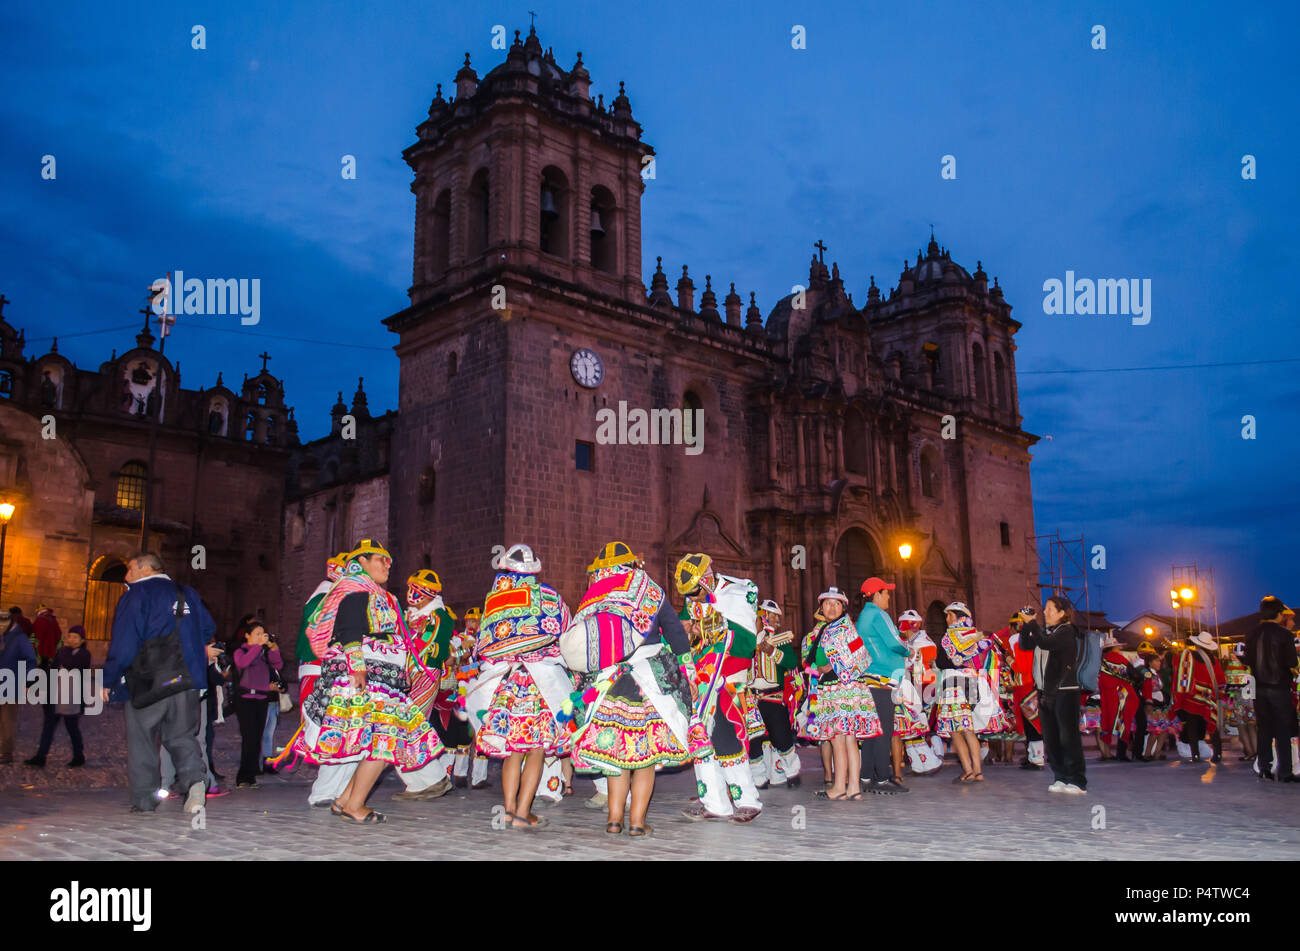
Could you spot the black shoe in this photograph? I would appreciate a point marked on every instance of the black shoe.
(1025, 764)
(793, 782)
(1266, 774)
(137, 811)
(1289, 779)
(77, 762)
(268, 769)
(1124, 758)
(36, 761)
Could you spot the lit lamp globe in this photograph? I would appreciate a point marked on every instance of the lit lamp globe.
(905, 551)
(6, 511)
(1187, 594)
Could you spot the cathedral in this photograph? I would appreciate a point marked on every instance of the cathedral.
(834, 441)
(74, 463)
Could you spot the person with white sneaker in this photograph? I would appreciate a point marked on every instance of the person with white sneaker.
(1058, 708)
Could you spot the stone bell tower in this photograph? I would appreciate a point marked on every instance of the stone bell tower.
(524, 170)
(527, 244)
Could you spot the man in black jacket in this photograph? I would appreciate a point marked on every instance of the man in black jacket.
(1058, 707)
(1271, 657)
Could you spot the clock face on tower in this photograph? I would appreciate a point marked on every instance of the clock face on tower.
(586, 368)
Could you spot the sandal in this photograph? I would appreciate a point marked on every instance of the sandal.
(568, 789)
(369, 819)
(964, 778)
(335, 808)
(856, 797)
(534, 822)
(637, 832)
(613, 828)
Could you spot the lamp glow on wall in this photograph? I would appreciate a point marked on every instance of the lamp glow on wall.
(6, 513)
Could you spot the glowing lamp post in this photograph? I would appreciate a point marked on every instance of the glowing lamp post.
(6, 513)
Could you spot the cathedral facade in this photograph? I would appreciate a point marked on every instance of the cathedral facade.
(74, 463)
(832, 439)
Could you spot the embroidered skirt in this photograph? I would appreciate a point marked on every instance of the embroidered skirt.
(377, 722)
(518, 720)
(956, 703)
(844, 709)
(627, 732)
(1243, 711)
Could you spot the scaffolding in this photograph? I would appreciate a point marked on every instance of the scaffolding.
(1204, 604)
(1063, 569)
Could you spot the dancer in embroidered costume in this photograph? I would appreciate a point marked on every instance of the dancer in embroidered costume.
(468, 767)
(331, 779)
(887, 658)
(359, 709)
(960, 654)
(1119, 701)
(1024, 694)
(1241, 688)
(774, 685)
(1160, 726)
(724, 610)
(912, 701)
(1198, 679)
(522, 685)
(634, 701)
(845, 710)
(431, 624)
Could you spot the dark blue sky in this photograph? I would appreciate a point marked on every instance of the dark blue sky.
(1117, 163)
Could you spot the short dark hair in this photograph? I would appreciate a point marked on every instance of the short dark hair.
(15, 610)
(149, 558)
(1271, 608)
(1064, 606)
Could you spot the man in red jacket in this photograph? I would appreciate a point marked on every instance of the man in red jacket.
(46, 634)
(1119, 702)
(1198, 679)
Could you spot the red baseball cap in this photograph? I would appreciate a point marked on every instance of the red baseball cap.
(872, 585)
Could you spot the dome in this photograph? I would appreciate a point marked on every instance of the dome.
(935, 263)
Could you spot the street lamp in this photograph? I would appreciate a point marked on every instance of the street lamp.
(905, 551)
(6, 513)
(1187, 594)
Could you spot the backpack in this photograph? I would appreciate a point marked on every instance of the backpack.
(159, 669)
(1089, 663)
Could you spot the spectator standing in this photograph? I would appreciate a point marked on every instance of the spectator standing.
(256, 658)
(1059, 706)
(47, 634)
(1271, 657)
(155, 608)
(71, 655)
(15, 648)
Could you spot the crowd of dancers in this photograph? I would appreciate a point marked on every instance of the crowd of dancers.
(625, 685)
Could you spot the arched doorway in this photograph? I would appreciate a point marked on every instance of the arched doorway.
(856, 560)
(105, 585)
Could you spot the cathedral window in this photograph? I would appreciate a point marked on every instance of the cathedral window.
(1000, 393)
(428, 485)
(931, 480)
(603, 251)
(934, 367)
(6, 384)
(553, 204)
(584, 456)
(690, 403)
(981, 374)
(451, 364)
(1005, 529)
(440, 234)
(479, 213)
(130, 486)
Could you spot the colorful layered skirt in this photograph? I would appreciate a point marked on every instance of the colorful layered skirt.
(517, 719)
(957, 696)
(343, 723)
(910, 717)
(845, 708)
(626, 731)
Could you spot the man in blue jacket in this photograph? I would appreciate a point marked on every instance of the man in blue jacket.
(18, 658)
(146, 611)
(888, 662)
